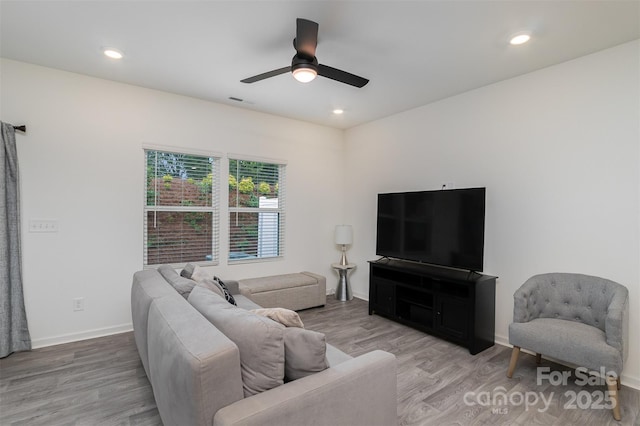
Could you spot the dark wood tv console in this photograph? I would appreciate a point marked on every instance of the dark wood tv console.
(455, 305)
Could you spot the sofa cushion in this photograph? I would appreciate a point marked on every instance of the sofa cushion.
(201, 277)
(259, 340)
(335, 356)
(304, 352)
(568, 341)
(192, 271)
(181, 284)
(286, 317)
(245, 303)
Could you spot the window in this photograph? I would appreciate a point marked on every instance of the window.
(181, 208)
(256, 210)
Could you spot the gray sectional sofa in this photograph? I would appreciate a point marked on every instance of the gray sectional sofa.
(198, 374)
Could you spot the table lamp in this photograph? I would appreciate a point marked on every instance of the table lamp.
(343, 236)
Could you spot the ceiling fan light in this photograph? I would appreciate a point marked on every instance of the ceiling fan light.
(304, 74)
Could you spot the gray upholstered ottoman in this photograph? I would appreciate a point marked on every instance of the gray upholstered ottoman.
(297, 291)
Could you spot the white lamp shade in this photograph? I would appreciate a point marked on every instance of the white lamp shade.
(343, 234)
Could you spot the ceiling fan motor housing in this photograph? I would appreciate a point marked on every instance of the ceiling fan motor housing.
(299, 61)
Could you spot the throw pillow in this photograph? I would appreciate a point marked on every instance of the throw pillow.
(200, 276)
(188, 270)
(193, 272)
(260, 340)
(286, 317)
(225, 291)
(304, 353)
(181, 284)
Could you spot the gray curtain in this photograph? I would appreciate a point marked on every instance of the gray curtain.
(14, 333)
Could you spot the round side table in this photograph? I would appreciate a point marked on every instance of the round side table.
(343, 291)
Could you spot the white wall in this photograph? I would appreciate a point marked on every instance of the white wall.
(81, 163)
(557, 150)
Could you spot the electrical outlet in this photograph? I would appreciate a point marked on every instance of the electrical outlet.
(78, 304)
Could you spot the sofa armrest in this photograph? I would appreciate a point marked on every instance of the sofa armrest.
(360, 391)
(616, 321)
(523, 306)
(192, 376)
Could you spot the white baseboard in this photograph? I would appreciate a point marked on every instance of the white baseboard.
(364, 297)
(84, 335)
(632, 382)
(502, 340)
(332, 292)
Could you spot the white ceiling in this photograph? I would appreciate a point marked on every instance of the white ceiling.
(414, 52)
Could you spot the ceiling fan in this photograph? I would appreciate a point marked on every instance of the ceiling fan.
(304, 65)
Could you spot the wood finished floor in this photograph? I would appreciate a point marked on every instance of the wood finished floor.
(102, 382)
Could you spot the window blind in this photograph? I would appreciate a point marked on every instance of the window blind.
(181, 213)
(256, 210)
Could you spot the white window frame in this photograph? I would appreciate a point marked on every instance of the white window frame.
(267, 211)
(214, 209)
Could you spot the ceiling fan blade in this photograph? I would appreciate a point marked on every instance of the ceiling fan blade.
(341, 76)
(306, 37)
(268, 74)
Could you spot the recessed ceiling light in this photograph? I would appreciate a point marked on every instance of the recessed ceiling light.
(112, 53)
(338, 111)
(520, 38)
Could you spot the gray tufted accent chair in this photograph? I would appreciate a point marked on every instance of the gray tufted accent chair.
(578, 319)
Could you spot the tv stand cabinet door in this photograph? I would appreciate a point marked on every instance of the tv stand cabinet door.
(382, 297)
(452, 317)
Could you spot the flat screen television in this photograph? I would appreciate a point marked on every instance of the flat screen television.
(443, 228)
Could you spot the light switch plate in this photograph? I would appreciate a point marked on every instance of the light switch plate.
(39, 225)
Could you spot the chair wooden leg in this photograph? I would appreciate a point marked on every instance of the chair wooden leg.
(538, 358)
(618, 380)
(514, 360)
(612, 385)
